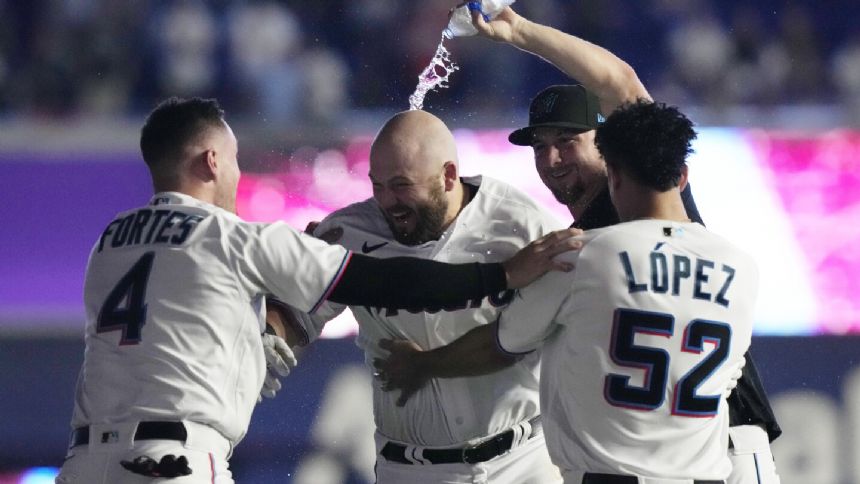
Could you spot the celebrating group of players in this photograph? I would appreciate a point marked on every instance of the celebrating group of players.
(624, 362)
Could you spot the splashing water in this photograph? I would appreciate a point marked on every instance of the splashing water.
(434, 75)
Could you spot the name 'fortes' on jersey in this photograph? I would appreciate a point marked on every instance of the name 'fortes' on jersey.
(699, 278)
(148, 226)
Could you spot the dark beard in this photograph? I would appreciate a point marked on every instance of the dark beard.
(430, 220)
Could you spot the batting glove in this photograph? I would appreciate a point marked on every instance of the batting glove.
(279, 361)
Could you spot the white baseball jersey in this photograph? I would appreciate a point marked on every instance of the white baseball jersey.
(174, 297)
(497, 222)
(639, 344)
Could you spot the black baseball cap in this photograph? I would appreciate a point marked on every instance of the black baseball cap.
(562, 106)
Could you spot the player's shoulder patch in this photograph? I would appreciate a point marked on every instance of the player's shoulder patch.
(353, 222)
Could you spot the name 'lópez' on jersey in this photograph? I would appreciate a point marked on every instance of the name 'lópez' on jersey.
(681, 277)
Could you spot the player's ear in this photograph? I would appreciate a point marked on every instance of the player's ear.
(682, 182)
(204, 166)
(210, 159)
(450, 174)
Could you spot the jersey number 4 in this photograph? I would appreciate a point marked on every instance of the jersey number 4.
(125, 309)
(655, 361)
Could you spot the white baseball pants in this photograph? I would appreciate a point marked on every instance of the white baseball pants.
(98, 462)
(752, 461)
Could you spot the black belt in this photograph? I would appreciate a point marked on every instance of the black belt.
(145, 431)
(591, 478)
(486, 450)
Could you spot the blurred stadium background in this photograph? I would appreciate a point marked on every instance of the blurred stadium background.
(774, 86)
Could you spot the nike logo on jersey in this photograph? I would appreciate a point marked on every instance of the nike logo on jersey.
(366, 249)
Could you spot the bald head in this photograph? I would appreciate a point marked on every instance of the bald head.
(413, 168)
(416, 141)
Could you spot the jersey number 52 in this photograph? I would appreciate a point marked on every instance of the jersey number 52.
(655, 361)
(125, 308)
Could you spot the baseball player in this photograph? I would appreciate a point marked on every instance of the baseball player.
(642, 341)
(174, 296)
(752, 421)
(459, 430)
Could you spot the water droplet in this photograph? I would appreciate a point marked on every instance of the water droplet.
(431, 78)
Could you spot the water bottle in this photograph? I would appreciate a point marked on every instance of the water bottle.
(460, 24)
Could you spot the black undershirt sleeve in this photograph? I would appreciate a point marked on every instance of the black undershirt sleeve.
(748, 403)
(416, 284)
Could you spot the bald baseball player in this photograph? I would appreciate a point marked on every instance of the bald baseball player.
(562, 123)
(174, 296)
(485, 429)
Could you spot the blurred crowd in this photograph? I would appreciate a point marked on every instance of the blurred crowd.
(313, 60)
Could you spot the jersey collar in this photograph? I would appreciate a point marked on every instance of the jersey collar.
(178, 198)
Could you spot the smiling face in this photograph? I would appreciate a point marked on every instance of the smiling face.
(413, 205)
(413, 172)
(569, 164)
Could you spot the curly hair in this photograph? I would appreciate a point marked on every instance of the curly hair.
(174, 123)
(649, 141)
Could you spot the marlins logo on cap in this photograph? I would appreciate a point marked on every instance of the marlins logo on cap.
(564, 106)
(548, 102)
